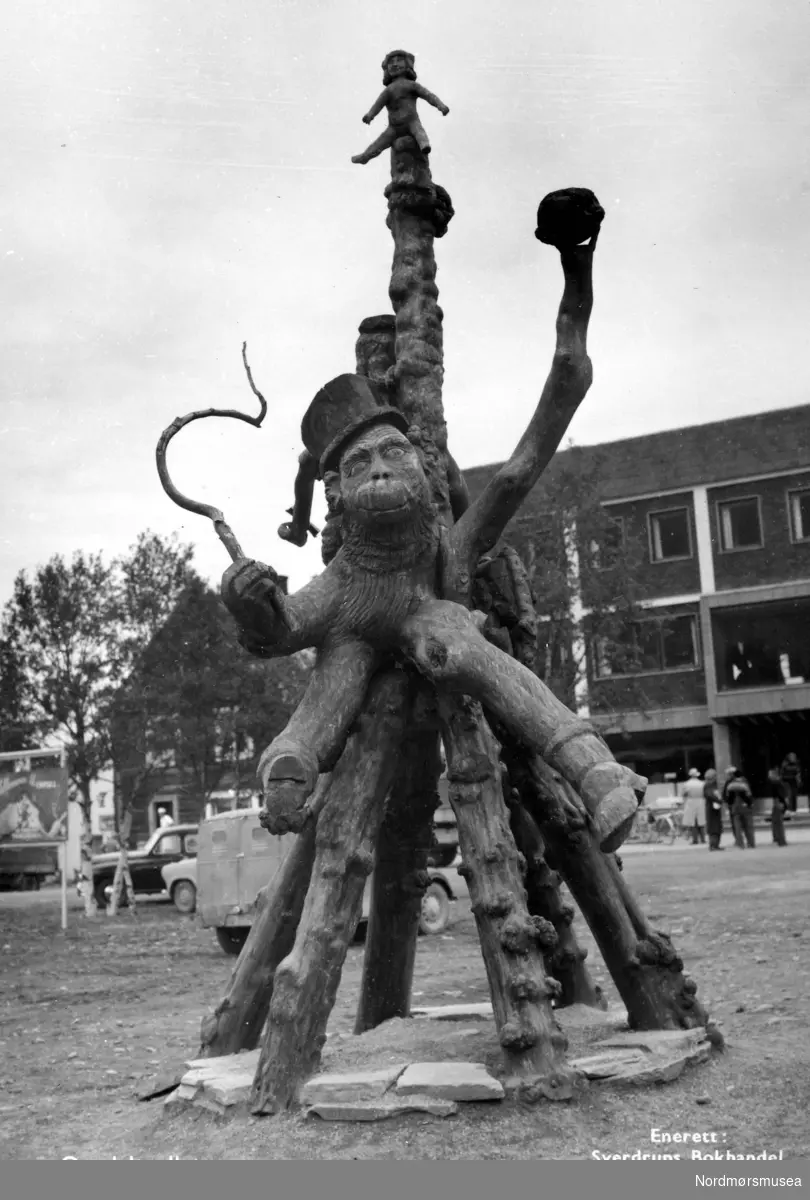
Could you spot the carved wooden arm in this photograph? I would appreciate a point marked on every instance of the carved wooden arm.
(377, 107)
(430, 98)
(568, 381)
(296, 530)
(270, 623)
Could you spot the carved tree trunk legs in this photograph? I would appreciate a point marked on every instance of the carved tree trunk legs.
(512, 942)
(656, 955)
(313, 738)
(237, 1021)
(644, 966)
(306, 982)
(544, 899)
(447, 646)
(398, 884)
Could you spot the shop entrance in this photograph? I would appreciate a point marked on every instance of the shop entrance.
(765, 739)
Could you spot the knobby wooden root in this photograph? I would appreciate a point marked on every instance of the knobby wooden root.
(237, 1021)
(410, 355)
(419, 370)
(544, 899)
(398, 884)
(447, 646)
(306, 981)
(644, 966)
(513, 943)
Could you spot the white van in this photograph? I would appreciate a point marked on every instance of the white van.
(237, 857)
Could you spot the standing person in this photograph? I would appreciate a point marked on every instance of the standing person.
(791, 775)
(741, 802)
(694, 809)
(714, 809)
(736, 826)
(779, 792)
(164, 818)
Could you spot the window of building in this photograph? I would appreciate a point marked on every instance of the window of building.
(170, 843)
(650, 646)
(763, 645)
(670, 536)
(262, 840)
(799, 505)
(740, 524)
(679, 643)
(607, 544)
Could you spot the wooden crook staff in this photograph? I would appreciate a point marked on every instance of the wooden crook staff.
(223, 530)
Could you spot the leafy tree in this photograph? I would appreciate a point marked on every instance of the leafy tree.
(197, 706)
(70, 635)
(585, 570)
(18, 730)
(151, 579)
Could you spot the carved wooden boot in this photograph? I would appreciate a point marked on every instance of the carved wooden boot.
(288, 772)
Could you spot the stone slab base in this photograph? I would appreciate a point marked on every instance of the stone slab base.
(657, 1056)
(432, 1063)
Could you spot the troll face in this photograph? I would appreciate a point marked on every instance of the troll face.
(381, 478)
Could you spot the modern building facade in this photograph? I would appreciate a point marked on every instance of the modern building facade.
(721, 669)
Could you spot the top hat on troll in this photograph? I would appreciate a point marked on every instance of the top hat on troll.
(341, 409)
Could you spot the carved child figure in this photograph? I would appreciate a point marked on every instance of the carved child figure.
(399, 96)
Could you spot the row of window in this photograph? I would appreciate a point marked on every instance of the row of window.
(753, 649)
(650, 645)
(739, 526)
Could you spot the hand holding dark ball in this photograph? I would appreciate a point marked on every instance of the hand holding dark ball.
(568, 217)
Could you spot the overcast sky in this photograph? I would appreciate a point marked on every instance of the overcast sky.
(177, 180)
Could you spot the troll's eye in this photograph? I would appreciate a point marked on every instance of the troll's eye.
(395, 452)
(355, 467)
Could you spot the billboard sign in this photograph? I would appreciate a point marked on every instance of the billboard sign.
(33, 797)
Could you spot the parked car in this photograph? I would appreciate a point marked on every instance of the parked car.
(237, 857)
(24, 868)
(167, 845)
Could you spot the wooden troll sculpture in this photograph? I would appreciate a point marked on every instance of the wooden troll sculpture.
(387, 595)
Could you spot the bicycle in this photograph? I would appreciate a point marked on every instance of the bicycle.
(668, 827)
(650, 828)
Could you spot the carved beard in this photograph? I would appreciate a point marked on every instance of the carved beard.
(382, 547)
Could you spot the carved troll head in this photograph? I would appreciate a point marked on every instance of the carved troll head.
(373, 475)
(381, 478)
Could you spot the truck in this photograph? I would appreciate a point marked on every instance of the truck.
(33, 816)
(25, 868)
(236, 857)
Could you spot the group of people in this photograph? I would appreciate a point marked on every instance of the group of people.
(704, 801)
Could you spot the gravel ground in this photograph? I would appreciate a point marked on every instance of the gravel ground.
(88, 1015)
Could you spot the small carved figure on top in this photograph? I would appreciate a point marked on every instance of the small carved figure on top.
(399, 96)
